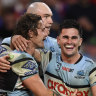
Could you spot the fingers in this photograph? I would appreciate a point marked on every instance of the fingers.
(3, 70)
(18, 45)
(19, 42)
(4, 67)
(4, 64)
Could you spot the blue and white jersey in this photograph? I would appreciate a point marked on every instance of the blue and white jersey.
(49, 44)
(7, 40)
(23, 66)
(64, 78)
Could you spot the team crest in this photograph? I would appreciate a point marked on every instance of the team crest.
(80, 74)
(29, 65)
(2, 49)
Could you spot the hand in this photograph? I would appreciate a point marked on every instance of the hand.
(19, 43)
(4, 64)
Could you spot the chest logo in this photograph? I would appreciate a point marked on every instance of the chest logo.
(80, 74)
(67, 69)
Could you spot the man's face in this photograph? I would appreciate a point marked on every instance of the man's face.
(38, 41)
(46, 15)
(69, 41)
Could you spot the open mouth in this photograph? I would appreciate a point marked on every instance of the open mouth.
(43, 39)
(48, 27)
(69, 47)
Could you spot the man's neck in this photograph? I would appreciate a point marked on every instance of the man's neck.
(30, 49)
(72, 59)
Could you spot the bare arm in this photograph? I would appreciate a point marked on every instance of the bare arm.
(19, 43)
(93, 90)
(4, 64)
(36, 85)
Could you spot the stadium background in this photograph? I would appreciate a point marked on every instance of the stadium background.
(84, 11)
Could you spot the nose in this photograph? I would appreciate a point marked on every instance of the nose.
(51, 21)
(69, 41)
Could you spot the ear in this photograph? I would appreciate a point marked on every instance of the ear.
(81, 39)
(30, 34)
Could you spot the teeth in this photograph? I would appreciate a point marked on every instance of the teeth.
(69, 46)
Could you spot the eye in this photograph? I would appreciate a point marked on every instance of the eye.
(46, 16)
(74, 37)
(43, 29)
(65, 37)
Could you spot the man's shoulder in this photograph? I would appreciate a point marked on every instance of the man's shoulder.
(88, 60)
(50, 40)
(6, 40)
(21, 54)
(51, 44)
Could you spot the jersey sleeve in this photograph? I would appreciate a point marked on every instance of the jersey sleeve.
(7, 40)
(91, 69)
(92, 74)
(23, 65)
(5, 46)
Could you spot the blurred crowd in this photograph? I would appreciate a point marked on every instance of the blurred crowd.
(84, 11)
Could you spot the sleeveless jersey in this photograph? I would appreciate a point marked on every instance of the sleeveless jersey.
(64, 78)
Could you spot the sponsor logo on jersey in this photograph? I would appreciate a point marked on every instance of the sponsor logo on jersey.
(30, 72)
(29, 65)
(80, 74)
(67, 69)
(2, 49)
(62, 89)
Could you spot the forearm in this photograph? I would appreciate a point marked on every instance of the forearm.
(35, 84)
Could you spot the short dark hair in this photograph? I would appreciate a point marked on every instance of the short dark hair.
(27, 22)
(70, 23)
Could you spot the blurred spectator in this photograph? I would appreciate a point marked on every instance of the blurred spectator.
(85, 13)
(89, 48)
(93, 1)
(20, 6)
(11, 11)
(8, 3)
(71, 2)
(9, 22)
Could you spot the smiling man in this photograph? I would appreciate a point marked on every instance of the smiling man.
(69, 70)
